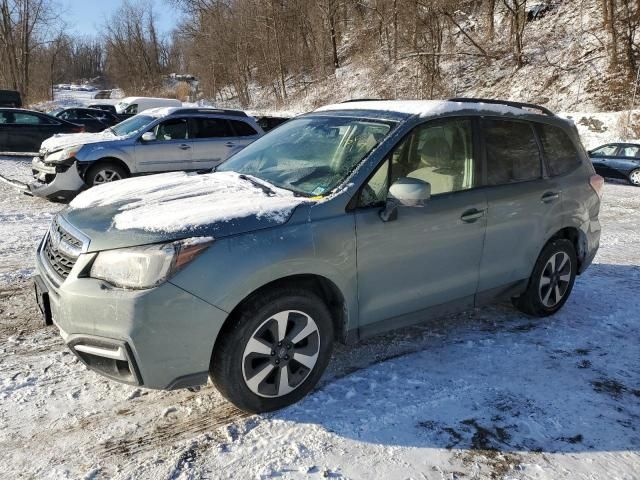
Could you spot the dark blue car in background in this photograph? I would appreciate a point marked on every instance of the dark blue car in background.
(618, 160)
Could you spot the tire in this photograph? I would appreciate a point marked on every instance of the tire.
(104, 172)
(634, 177)
(548, 281)
(250, 355)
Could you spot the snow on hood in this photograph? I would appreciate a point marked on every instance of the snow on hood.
(64, 140)
(180, 201)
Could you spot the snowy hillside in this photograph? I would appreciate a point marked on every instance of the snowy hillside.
(565, 67)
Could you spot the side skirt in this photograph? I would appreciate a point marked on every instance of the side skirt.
(498, 294)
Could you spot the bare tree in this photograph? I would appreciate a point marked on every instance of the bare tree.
(517, 12)
(25, 27)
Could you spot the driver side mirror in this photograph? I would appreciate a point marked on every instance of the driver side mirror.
(405, 192)
(148, 137)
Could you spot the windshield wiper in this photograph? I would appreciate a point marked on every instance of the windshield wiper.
(260, 185)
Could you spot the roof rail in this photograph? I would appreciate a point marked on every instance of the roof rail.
(364, 100)
(220, 111)
(509, 103)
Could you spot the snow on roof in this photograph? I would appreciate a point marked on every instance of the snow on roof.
(423, 108)
(180, 201)
(160, 111)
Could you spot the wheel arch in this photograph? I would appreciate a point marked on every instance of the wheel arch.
(115, 160)
(577, 237)
(325, 288)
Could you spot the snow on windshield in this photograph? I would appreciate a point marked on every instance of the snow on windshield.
(132, 125)
(182, 201)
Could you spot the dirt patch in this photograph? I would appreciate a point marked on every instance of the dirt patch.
(609, 386)
(19, 313)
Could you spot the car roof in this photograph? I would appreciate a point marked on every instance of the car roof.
(21, 110)
(166, 111)
(428, 108)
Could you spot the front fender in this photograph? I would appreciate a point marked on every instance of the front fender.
(94, 153)
(234, 267)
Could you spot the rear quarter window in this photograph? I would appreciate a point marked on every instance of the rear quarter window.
(210, 128)
(559, 150)
(242, 129)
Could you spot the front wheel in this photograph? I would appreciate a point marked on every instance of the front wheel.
(274, 352)
(104, 172)
(634, 177)
(551, 281)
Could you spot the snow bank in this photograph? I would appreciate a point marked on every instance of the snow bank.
(598, 128)
(182, 201)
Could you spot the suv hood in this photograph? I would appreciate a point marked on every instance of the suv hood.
(64, 140)
(177, 205)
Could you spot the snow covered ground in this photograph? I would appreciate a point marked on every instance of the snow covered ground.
(487, 394)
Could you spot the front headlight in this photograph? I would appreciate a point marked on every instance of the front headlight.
(146, 266)
(63, 155)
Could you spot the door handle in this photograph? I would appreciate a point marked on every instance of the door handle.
(230, 144)
(472, 215)
(550, 197)
(184, 146)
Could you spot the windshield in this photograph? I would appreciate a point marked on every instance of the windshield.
(309, 155)
(132, 125)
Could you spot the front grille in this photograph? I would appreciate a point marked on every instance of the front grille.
(61, 264)
(61, 250)
(67, 238)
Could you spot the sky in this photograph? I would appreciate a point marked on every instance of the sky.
(85, 17)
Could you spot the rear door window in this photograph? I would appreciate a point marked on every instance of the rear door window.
(242, 129)
(559, 150)
(631, 151)
(210, 128)
(512, 152)
(27, 119)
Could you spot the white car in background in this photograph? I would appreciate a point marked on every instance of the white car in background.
(135, 105)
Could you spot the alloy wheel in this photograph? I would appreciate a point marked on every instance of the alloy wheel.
(634, 177)
(106, 176)
(555, 279)
(281, 353)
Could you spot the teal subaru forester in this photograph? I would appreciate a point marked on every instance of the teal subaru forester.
(346, 222)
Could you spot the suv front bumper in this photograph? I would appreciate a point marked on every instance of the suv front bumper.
(55, 182)
(159, 338)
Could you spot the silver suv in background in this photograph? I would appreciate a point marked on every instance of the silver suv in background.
(342, 223)
(157, 140)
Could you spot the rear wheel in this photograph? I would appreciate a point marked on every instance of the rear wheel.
(105, 172)
(551, 281)
(634, 177)
(274, 352)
